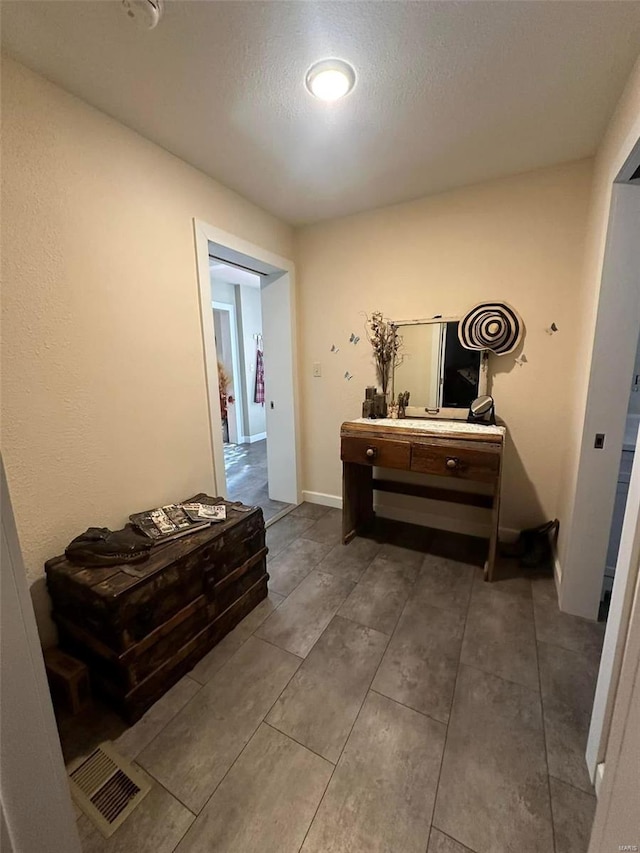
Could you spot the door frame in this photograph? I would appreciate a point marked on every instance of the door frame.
(238, 251)
(618, 789)
(615, 343)
(36, 812)
(616, 634)
(238, 389)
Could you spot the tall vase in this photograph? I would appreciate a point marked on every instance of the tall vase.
(383, 372)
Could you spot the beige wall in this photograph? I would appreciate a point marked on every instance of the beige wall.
(100, 287)
(104, 399)
(519, 239)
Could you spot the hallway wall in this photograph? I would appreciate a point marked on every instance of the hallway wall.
(519, 238)
(104, 395)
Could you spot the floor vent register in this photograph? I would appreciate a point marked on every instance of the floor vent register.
(107, 788)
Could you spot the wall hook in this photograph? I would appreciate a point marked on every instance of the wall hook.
(334, 348)
(348, 376)
(521, 360)
(552, 329)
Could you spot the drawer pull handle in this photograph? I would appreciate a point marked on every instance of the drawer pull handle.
(371, 452)
(453, 462)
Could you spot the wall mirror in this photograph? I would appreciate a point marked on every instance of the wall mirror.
(441, 375)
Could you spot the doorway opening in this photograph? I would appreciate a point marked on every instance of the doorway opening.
(603, 544)
(247, 313)
(622, 487)
(238, 330)
(229, 372)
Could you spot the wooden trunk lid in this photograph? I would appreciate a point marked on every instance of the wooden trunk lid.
(121, 605)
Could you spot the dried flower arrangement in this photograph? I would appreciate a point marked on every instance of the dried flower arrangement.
(386, 345)
(224, 380)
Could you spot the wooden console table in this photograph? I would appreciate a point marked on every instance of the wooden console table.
(450, 449)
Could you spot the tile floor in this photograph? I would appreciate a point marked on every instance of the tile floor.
(246, 470)
(382, 698)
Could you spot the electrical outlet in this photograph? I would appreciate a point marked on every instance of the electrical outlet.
(599, 442)
(317, 369)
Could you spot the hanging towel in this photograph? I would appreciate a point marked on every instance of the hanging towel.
(258, 396)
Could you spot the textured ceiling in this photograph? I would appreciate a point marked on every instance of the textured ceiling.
(448, 93)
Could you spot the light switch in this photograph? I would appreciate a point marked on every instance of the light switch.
(317, 369)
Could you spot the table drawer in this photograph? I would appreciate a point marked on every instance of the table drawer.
(376, 451)
(464, 463)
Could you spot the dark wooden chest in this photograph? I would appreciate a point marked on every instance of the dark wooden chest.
(141, 627)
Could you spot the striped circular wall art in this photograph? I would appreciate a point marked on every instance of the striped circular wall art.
(495, 326)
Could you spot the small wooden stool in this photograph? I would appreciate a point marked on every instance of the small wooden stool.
(68, 680)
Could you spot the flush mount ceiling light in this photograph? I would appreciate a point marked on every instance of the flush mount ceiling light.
(146, 13)
(330, 79)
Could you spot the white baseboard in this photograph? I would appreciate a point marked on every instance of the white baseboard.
(322, 499)
(423, 519)
(250, 439)
(557, 570)
(599, 777)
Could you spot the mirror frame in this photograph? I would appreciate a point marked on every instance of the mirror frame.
(449, 414)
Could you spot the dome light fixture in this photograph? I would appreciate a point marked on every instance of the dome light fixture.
(330, 79)
(145, 13)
